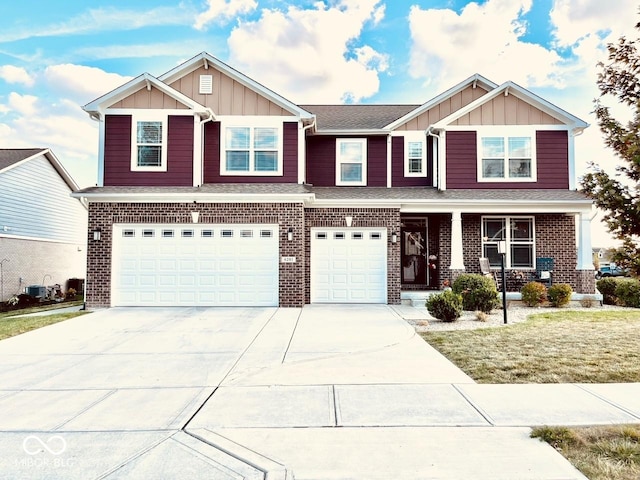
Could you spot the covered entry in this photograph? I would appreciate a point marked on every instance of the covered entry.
(348, 265)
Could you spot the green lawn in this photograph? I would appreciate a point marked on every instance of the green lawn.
(563, 347)
(11, 324)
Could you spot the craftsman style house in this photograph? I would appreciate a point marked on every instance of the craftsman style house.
(214, 190)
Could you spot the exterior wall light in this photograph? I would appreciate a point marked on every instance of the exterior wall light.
(394, 237)
(97, 233)
(290, 234)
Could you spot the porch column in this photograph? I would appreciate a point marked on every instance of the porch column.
(585, 259)
(457, 259)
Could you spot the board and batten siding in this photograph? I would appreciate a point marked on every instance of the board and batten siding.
(117, 154)
(552, 157)
(35, 203)
(212, 157)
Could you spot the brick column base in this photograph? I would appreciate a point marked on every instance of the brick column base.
(453, 274)
(586, 281)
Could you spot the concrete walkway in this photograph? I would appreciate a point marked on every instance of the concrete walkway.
(324, 392)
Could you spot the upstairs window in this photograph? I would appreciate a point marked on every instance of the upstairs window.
(149, 151)
(506, 158)
(351, 161)
(415, 164)
(251, 151)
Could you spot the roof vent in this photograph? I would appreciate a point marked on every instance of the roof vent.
(206, 84)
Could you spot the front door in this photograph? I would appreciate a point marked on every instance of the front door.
(414, 253)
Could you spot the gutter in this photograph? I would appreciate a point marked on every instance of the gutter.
(438, 167)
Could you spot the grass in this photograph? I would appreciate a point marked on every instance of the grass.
(600, 453)
(562, 347)
(12, 325)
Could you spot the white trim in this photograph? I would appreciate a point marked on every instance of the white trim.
(363, 181)
(415, 137)
(442, 161)
(252, 123)
(507, 237)
(389, 162)
(37, 239)
(585, 250)
(506, 132)
(571, 153)
(149, 116)
(198, 147)
(101, 140)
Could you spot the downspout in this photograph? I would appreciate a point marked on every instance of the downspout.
(436, 155)
(198, 166)
(96, 116)
(302, 152)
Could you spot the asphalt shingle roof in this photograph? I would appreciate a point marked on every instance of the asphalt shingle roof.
(9, 156)
(355, 117)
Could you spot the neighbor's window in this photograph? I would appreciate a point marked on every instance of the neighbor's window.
(517, 232)
(149, 145)
(506, 158)
(252, 151)
(351, 161)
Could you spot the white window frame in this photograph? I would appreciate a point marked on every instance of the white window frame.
(506, 132)
(155, 116)
(340, 161)
(252, 123)
(509, 241)
(415, 137)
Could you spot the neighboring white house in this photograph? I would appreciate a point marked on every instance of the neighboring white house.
(43, 230)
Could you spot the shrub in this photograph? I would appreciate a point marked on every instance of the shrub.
(445, 306)
(534, 294)
(588, 302)
(478, 292)
(481, 316)
(628, 292)
(559, 294)
(607, 287)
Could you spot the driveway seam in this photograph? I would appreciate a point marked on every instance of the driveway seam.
(482, 413)
(295, 327)
(87, 408)
(606, 400)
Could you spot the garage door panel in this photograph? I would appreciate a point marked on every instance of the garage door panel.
(348, 265)
(195, 265)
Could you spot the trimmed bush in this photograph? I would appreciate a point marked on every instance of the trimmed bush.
(478, 292)
(534, 294)
(559, 294)
(628, 292)
(607, 287)
(445, 306)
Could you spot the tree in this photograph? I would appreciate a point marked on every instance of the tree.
(619, 195)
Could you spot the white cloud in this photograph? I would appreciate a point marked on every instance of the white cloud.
(308, 54)
(81, 82)
(22, 104)
(13, 74)
(222, 10)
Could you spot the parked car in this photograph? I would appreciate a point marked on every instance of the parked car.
(611, 270)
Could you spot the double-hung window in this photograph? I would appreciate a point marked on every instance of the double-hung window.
(149, 144)
(251, 150)
(415, 164)
(517, 232)
(506, 157)
(351, 161)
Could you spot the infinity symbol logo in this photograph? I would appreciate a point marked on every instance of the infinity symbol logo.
(33, 445)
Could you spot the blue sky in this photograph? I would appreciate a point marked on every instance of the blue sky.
(58, 55)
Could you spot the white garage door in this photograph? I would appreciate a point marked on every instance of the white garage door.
(348, 265)
(226, 265)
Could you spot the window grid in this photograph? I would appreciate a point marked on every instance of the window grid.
(519, 235)
(506, 158)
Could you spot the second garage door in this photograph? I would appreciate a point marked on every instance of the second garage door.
(190, 265)
(348, 265)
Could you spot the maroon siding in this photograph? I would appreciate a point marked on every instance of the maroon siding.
(552, 149)
(321, 161)
(552, 152)
(377, 161)
(117, 154)
(212, 157)
(397, 165)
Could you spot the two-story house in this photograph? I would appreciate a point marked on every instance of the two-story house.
(214, 190)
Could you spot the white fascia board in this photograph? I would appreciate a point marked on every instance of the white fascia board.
(192, 197)
(510, 88)
(195, 62)
(476, 79)
(352, 132)
(99, 105)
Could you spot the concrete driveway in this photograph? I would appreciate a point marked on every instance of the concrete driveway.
(324, 392)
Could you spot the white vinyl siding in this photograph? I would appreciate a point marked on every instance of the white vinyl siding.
(35, 203)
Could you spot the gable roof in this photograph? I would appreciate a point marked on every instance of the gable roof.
(473, 80)
(145, 80)
(12, 157)
(356, 117)
(511, 88)
(206, 59)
